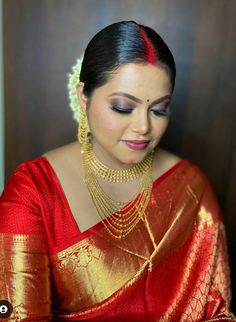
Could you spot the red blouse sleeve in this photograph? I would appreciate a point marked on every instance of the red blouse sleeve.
(24, 268)
(20, 205)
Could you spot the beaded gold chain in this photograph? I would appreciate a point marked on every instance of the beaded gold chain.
(119, 218)
(120, 175)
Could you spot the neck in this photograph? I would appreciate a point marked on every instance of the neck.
(108, 160)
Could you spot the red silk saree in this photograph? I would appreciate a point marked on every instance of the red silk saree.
(172, 267)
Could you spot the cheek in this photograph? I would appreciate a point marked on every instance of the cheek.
(160, 127)
(103, 121)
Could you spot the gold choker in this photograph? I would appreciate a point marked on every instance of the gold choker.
(117, 175)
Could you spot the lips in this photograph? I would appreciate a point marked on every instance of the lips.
(136, 145)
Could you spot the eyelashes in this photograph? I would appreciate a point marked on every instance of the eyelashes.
(123, 110)
(161, 112)
(120, 109)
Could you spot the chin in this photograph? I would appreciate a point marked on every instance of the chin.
(134, 159)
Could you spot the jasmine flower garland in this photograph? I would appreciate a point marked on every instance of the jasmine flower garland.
(73, 80)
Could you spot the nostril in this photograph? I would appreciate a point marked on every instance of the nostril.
(142, 125)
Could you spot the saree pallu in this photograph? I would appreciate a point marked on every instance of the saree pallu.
(172, 267)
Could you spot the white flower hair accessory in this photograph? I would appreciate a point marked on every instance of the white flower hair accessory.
(73, 80)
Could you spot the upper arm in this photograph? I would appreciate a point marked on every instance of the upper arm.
(20, 210)
(219, 297)
(24, 268)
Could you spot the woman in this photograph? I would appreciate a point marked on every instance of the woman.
(113, 228)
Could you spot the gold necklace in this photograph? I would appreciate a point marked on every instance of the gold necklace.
(119, 218)
(118, 175)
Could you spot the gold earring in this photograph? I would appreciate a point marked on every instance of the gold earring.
(83, 130)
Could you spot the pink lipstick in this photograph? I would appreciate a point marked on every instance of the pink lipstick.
(136, 145)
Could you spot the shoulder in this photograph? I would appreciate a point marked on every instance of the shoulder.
(24, 172)
(36, 174)
(62, 151)
(66, 160)
(183, 173)
(65, 157)
(193, 184)
(26, 178)
(166, 158)
(164, 161)
(21, 199)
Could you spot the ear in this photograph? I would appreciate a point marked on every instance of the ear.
(81, 97)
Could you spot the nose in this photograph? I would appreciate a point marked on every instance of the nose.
(141, 123)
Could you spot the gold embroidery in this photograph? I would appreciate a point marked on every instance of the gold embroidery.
(102, 269)
(25, 269)
(85, 267)
(78, 258)
(99, 280)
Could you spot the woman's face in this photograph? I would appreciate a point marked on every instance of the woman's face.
(129, 114)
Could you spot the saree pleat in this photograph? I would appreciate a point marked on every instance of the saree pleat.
(172, 267)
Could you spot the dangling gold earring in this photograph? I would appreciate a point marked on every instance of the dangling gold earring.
(83, 128)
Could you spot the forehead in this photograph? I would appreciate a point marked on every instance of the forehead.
(139, 79)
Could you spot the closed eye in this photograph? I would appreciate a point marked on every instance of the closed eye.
(120, 109)
(161, 112)
(125, 110)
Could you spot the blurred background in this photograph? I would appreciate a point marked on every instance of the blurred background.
(42, 40)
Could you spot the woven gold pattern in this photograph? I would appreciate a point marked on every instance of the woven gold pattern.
(24, 277)
(185, 255)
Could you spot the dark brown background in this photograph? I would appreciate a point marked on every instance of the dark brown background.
(42, 40)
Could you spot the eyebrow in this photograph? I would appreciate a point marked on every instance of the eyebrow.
(137, 100)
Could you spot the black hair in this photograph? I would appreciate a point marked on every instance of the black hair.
(120, 43)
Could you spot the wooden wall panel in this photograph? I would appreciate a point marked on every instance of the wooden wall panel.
(43, 38)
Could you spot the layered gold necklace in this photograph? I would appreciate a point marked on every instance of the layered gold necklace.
(119, 218)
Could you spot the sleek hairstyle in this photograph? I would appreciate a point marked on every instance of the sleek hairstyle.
(120, 43)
